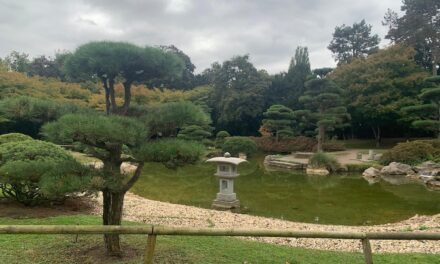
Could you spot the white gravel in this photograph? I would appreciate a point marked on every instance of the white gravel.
(139, 209)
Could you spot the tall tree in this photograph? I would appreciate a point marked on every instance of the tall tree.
(279, 120)
(185, 81)
(323, 107)
(350, 42)
(17, 61)
(288, 86)
(114, 140)
(428, 112)
(419, 27)
(378, 87)
(113, 61)
(238, 97)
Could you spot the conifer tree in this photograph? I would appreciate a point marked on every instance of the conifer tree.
(279, 121)
(322, 107)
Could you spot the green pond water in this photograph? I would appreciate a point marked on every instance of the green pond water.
(345, 199)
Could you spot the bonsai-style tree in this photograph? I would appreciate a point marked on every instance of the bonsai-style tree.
(279, 120)
(113, 61)
(32, 171)
(193, 132)
(165, 120)
(323, 107)
(220, 138)
(427, 115)
(116, 139)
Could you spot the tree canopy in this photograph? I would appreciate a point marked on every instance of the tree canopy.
(351, 42)
(377, 87)
(238, 97)
(113, 61)
(419, 27)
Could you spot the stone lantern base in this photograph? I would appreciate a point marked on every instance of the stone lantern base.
(225, 205)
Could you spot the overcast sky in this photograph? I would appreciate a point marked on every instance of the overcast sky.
(206, 30)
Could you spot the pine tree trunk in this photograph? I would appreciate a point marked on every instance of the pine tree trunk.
(127, 97)
(438, 106)
(107, 95)
(112, 215)
(377, 135)
(321, 134)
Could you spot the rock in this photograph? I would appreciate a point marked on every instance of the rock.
(371, 172)
(317, 171)
(397, 179)
(127, 168)
(433, 184)
(395, 168)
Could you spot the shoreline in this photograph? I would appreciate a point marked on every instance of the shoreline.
(139, 209)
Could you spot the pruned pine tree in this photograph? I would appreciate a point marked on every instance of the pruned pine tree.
(323, 108)
(427, 114)
(279, 120)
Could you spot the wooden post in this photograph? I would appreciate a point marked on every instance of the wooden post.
(149, 251)
(366, 247)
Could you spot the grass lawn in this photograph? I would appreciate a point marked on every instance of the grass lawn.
(169, 249)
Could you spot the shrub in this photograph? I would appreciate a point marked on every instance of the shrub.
(323, 160)
(172, 152)
(32, 171)
(268, 144)
(220, 138)
(193, 132)
(235, 145)
(412, 153)
(13, 137)
(333, 146)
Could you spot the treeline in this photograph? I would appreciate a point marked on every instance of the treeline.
(371, 93)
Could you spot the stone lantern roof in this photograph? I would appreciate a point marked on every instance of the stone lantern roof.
(227, 159)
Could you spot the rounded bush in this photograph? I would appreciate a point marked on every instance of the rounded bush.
(172, 152)
(13, 137)
(235, 145)
(411, 153)
(32, 171)
(222, 134)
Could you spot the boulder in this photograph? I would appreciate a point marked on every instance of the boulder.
(371, 172)
(428, 168)
(395, 168)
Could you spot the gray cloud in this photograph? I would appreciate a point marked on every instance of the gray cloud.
(207, 31)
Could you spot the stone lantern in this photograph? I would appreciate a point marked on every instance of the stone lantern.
(226, 172)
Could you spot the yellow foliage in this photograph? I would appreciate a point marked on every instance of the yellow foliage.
(18, 84)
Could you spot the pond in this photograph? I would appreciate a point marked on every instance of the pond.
(345, 199)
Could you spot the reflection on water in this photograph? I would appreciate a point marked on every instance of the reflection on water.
(345, 199)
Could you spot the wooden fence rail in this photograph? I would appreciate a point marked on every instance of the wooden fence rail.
(154, 231)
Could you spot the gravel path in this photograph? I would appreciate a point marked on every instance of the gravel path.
(139, 209)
